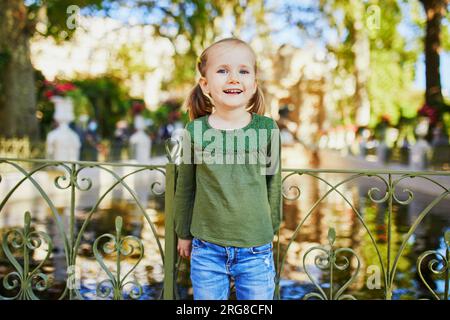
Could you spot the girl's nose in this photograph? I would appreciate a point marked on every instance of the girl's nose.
(233, 78)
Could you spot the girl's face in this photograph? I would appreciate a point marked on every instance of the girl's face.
(230, 76)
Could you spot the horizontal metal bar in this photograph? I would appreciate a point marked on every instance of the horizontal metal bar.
(365, 171)
(84, 163)
(116, 164)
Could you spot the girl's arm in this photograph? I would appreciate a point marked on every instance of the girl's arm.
(273, 178)
(185, 191)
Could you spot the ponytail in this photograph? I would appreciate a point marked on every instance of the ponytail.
(256, 103)
(197, 103)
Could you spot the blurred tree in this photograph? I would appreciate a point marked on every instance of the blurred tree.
(435, 11)
(45, 108)
(198, 23)
(365, 39)
(432, 21)
(19, 21)
(129, 61)
(17, 96)
(109, 99)
(195, 22)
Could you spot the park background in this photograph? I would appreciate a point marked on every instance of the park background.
(355, 84)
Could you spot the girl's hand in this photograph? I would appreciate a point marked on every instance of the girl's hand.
(184, 248)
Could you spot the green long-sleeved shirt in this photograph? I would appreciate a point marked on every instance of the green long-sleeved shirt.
(229, 204)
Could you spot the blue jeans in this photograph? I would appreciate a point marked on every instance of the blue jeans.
(213, 266)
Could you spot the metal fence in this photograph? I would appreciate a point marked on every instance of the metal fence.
(24, 278)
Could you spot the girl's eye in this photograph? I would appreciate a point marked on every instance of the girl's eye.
(225, 71)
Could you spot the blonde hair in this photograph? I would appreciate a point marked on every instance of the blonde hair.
(198, 104)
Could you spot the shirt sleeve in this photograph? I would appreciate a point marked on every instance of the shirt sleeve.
(185, 189)
(273, 177)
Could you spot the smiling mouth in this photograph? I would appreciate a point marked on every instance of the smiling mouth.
(233, 91)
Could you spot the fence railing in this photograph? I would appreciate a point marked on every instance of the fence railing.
(28, 256)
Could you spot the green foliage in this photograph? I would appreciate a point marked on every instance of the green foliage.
(446, 121)
(129, 60)
(109, 99)
(390, 87)
(194, 20)
(392, 59)
(445, 31)
(82, 104)
(183, 73)
(99, 98)
(168, 112)
(45, 108)
(197, 21)
(59, 16)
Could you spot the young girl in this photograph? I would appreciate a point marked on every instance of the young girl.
(226, 214)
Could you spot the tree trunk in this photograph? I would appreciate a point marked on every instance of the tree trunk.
(17, 86)
(434, 10)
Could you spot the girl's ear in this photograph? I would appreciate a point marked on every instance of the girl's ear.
(203, 85)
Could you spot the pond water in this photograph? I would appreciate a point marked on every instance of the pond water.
(332, 212)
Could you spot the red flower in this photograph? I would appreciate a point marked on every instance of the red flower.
(64, 87)
(48, 94)
(429, 111)
(137, 108)
(57, 89)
